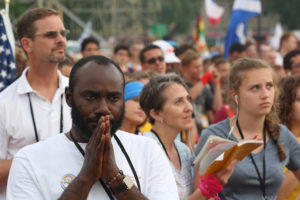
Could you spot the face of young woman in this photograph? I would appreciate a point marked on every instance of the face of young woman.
(256, 93)
(133, 112)
(177, 110)
(296, 107)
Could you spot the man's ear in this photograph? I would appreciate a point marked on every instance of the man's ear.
(68, 96)
(26, 44)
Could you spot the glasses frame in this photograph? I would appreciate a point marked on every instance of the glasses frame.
(53, 34)
(153, 60)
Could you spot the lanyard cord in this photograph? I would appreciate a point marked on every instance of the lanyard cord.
(127, 158)
(33, 119)
(162, 144)
(262, 181)
(129, 161)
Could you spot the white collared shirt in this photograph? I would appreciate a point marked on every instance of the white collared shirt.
(16, 125)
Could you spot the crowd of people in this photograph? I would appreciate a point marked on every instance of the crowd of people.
(129, 125)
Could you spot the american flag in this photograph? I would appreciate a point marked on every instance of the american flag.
(8, 69)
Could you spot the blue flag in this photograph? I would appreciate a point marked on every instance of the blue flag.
(242, 11)
(8, 69)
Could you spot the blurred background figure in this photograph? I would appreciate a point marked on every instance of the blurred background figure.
(288, 43)
(172, 61)
(65, 66)
(289, 114)
(21, 60)
(236, 51)
(280, 72)
(291, 62)
(134, 116)
(90, 46)
(121, 56)
(152, 59)
(251, 49)
(271, 57)
(135, 49)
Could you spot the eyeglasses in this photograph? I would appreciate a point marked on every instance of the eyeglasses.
(53, 34)
(153, 60)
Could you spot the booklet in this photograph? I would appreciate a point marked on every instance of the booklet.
(218, 152)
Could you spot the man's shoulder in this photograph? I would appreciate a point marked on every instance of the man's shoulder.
(132, 138)
(10, 92)
(41, 148)
(137, 143)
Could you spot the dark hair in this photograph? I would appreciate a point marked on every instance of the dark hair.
(121, 47)
(288, 90)
(236, 47)
(147, 48)
(188, 57)
(138, 75)
(183, 48)
(237, 74)
(101, 60)
(152, 97)
(220, 61)
(286, 36)
(88, 40)
(25, 24)
(287, 63)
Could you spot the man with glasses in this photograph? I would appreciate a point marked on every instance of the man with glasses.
(291, 62)
(152, 59)
(33, 108)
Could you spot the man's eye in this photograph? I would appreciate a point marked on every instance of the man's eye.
(90, 98)
(114, 98)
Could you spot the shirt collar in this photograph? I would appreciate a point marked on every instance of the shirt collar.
(24, 87)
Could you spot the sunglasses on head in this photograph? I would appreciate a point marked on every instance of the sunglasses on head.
(53, 34)
(153, 60)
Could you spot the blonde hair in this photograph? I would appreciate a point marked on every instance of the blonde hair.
(237, 74)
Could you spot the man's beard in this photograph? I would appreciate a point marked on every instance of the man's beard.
(82, 127)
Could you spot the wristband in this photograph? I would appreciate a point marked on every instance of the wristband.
(113, 179)
(207, 76)
(210, 186)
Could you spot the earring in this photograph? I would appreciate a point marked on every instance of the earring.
(161, 121)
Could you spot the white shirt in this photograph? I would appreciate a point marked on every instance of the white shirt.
(43, 170)
(16, 126)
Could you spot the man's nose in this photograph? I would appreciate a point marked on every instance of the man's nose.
(102, 107)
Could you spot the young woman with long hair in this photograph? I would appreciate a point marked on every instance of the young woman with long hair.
(253, 94)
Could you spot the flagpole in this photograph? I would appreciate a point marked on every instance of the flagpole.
(7, 6)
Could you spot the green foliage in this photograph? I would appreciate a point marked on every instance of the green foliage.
(179, 15)
(288, 11)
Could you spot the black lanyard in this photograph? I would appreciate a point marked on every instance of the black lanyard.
(262, 181)
(162, 144)
(107, 190)
(33, 119)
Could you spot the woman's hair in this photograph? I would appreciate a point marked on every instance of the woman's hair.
(288, 91)
(237, 74)
(152, 95)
